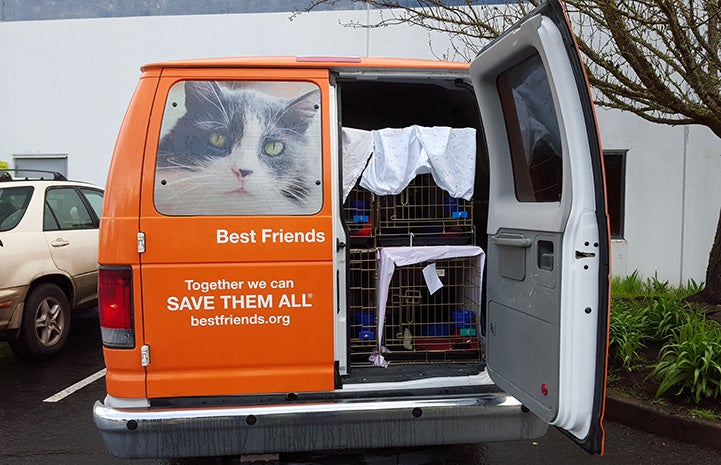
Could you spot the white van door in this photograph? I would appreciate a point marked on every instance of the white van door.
(548, 244)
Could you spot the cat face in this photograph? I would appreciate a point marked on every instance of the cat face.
(240, 151)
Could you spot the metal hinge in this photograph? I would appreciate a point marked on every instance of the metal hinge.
(145, 355)
(141, 242)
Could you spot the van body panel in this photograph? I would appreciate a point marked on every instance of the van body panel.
(548, 244)
(293, 63)
(272, 239)
(119, 226)
(233, 324)
(125, 376)
(235, 290)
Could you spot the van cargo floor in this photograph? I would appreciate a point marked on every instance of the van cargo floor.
(396, 373)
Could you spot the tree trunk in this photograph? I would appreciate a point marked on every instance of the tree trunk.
(711, 294)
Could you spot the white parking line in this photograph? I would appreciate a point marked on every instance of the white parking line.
(75, 387)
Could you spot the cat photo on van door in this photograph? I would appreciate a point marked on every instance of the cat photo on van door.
(240, 148)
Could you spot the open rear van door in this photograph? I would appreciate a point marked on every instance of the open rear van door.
(548, 244)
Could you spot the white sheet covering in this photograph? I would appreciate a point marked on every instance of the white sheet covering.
(357, 146)
(390, 257)
(399, 155)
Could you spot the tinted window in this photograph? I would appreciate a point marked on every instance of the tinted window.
(64, 209)
(13, 204)
(533, 133)
(95, 198)
(240, 148)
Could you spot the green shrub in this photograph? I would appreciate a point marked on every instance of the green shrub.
(636, 322)
(691, 288)
(633, 286)
(646, 311)
(627, 286)
(629, 328)
(654, 286)
(690, 362)
(665, 313)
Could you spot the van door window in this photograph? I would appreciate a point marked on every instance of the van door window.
(240, 148)
(534, 138)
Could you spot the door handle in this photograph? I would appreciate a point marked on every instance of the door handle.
(60, 242)
(511, 240)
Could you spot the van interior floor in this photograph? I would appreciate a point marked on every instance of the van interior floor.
(402, 372)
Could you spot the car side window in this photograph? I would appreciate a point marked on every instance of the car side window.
(13, 204)
(65, 209)
(95, 199)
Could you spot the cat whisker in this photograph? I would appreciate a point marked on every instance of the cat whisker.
(218, 103)
(190, 178)
(187, 184)
(210, 125)
(282, 113)
(196, 172)
(175, 164)
(281, 132)
(295, 190)
(181, 192)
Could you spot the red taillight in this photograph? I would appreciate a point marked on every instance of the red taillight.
(115, 306)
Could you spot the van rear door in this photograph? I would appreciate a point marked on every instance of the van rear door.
(548, 245)
(236, 234)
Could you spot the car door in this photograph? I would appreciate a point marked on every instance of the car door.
(548, 242)
(237, 253)
(71, 231)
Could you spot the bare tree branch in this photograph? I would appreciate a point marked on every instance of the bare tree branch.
(656, 58)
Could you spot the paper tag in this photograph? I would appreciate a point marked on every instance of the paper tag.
(431, 276)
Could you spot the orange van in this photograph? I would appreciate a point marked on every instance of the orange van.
(309, 253)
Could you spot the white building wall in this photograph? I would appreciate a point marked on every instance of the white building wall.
(672, 197)
(702, 201)
(65, 84)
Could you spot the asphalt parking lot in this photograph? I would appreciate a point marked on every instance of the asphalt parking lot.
(45, 418)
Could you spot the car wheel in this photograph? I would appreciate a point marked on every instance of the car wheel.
(45, 323)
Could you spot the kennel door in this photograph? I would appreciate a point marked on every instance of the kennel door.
(548, 248)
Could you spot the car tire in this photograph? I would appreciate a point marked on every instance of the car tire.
(45, 323)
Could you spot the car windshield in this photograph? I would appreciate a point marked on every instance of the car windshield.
(13, 203)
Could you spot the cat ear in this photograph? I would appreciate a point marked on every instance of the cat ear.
(300, 112)
(202, 95)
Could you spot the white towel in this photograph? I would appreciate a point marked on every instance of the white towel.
(357, 146)
(399, 155)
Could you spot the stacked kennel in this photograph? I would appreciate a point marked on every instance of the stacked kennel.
(419, 326)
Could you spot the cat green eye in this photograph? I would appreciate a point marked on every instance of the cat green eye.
(273, 148)
(217, 140)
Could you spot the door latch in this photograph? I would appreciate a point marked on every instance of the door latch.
(141, 242)
(145, 355)
(580, 254)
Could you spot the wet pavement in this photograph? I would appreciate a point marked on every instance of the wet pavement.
(63, 433)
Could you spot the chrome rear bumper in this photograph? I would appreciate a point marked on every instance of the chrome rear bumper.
(314, 426)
